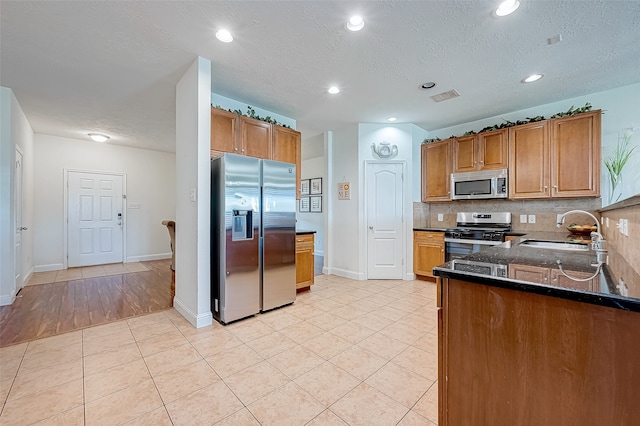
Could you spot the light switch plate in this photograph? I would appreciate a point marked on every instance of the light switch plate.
(440, 217)
(532, 218)
(523, 218)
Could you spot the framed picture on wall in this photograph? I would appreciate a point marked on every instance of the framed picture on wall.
(316, 204)
(304, 187)
(304, 204)
(316, 186)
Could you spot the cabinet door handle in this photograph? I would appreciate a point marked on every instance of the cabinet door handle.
(555, 187)
(545, 188)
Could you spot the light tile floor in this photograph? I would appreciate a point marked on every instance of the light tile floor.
(85, 272)
(346, 353)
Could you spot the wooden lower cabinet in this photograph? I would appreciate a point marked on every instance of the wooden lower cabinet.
(508, 357)
(428, 251)
(304, 261)
(553, 276)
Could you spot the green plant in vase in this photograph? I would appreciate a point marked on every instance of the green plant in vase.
(616, 162)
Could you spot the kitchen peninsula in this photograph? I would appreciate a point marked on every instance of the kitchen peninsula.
(531, 335)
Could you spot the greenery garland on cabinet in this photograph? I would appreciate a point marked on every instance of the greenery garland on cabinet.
(571, 111)
(251, 113)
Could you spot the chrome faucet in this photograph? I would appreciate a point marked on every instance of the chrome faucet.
(597, 239)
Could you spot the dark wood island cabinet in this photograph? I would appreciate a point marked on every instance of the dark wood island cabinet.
(515, 352)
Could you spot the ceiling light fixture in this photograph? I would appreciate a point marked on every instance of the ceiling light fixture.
(532, 78)
(98, 137)
(392, 119)
(507, 7)
(428, 85)
(333, 90)
(355, 23)
(224, 36)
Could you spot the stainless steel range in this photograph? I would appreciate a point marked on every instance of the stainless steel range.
(475, 230)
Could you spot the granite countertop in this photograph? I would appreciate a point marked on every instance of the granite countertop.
(430, 229)
(304, 232)
(536, 270)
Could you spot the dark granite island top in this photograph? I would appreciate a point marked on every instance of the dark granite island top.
(537, 270)
(304, 232)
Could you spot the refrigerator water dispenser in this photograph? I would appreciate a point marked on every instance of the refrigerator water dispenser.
(242, 225)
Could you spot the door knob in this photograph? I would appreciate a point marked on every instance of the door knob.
(371, 227)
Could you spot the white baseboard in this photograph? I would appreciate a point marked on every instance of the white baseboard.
(197, 321)
(7, 300)
(344, 273)
(409, 276)
(147, 257)
(47, 268)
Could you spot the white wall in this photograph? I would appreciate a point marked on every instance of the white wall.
(15, 131)
(150, 182)
(621, 109)
(314, 168)
(348, 150)
(193, 128)
(343, 221)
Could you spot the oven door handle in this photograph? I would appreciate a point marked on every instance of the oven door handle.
(480, 242)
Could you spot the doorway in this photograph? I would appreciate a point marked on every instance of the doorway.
(95, 219)
(385, 219)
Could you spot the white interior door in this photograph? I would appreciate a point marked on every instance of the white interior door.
(19, 227)
(94, 216)
(384, 221)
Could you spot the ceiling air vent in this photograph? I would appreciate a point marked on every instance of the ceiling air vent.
(445, 95)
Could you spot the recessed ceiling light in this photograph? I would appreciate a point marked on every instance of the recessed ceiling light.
(507, 7)
(98, 137)
(532, 78)
(355, 23)
(333, 90)
(391, 119)
(428, 85)
(224, 36)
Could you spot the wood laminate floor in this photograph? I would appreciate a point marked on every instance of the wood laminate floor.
(55, 308)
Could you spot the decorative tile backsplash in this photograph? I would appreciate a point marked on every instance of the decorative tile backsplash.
(545, 211)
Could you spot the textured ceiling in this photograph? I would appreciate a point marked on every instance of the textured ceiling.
(112, 67)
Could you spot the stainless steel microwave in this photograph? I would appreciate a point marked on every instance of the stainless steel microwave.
(482, 184)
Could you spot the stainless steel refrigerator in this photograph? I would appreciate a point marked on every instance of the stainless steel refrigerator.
(252, 236)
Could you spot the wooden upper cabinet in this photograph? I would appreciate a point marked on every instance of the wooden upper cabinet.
(487, 150)
(576, 155)
(287, 147)
(255, 138)
(436, 171)
(224, 131)
(558, 158)
(529, 160)
(465, 157)
(493, 149)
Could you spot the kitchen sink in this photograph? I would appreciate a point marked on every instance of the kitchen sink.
(555, 245)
